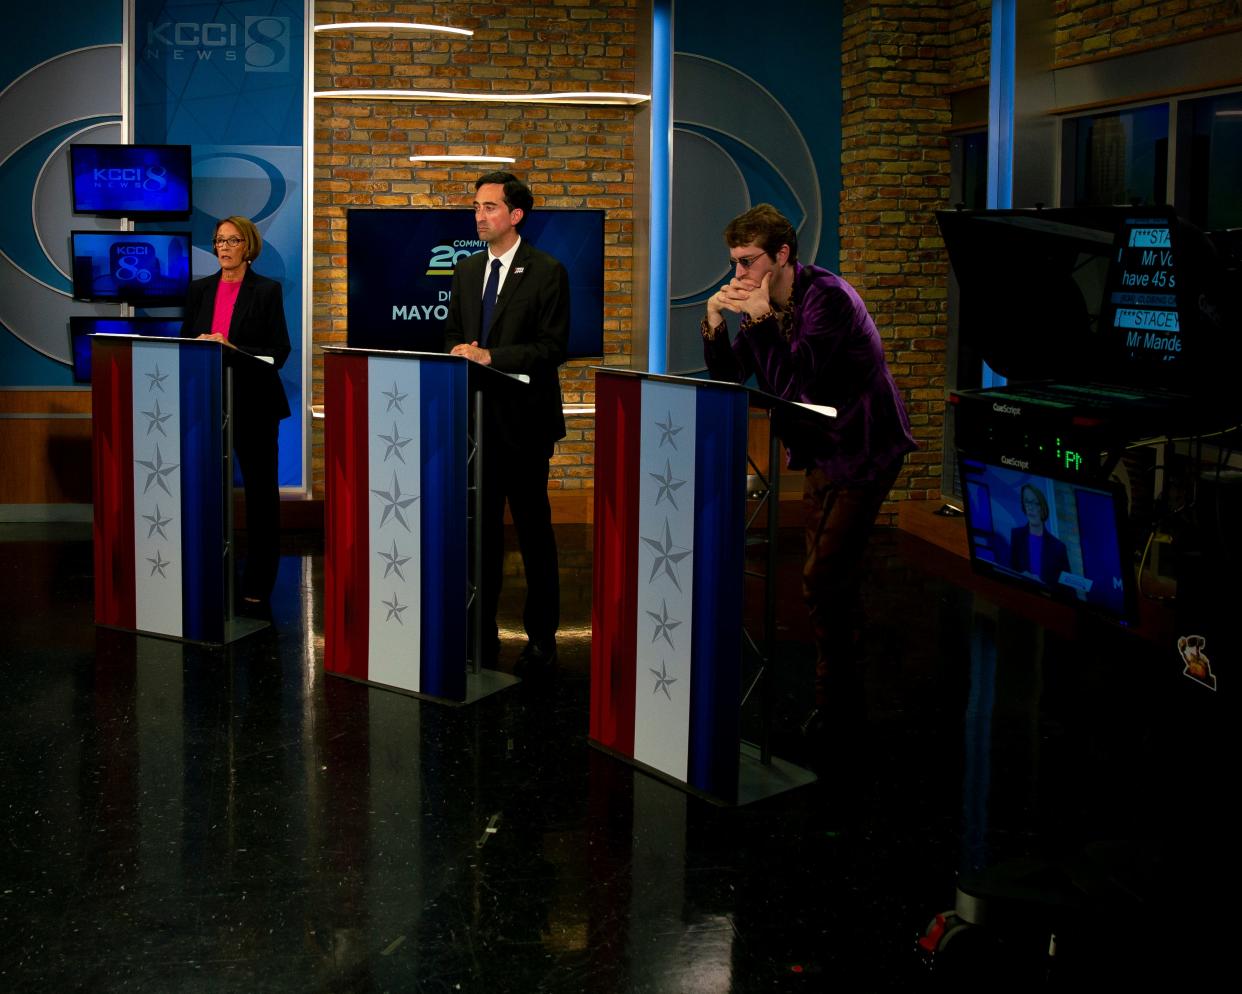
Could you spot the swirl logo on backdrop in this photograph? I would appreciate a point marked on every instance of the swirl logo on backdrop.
(734, 145)
(74, 96)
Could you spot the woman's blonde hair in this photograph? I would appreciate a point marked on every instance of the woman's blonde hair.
(254, 241)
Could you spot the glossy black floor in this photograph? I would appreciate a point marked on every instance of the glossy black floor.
(180, 819)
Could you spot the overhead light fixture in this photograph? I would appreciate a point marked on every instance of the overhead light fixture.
(462, 158)
(349, 26)
(594, 98)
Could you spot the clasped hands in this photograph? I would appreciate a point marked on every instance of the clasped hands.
(473, 353)
(741, 295)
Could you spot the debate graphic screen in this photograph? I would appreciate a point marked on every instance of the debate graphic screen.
(401, 267)
(138, 181)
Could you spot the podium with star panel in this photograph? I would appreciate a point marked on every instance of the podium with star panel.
(163, 509)
(671, 503)
(401, 605)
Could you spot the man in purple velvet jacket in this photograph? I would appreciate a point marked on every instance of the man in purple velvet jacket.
(806, 336)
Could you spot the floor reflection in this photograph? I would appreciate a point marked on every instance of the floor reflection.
(182, 818)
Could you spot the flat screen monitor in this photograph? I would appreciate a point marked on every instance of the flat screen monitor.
(1065, 539)
(401, 267)
(145, 268)
(138, 181)
(81, 327)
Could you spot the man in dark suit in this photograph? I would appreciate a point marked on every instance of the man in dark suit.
(509, 309)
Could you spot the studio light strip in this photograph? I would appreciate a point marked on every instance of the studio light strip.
(350, 26)
(596, 98)
(462, 158)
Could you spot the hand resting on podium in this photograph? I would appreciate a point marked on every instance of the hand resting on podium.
(215, 336)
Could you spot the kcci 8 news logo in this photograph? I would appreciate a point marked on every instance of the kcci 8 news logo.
(134, 262)
(265, 42)
(152, 178)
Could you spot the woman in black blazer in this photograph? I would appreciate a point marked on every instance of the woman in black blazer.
(1033, 549)
(245, 311)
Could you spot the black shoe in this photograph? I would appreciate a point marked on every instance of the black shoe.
(255, 607)
(535, 660)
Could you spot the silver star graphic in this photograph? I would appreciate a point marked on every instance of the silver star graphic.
(663, 624)
(157, 419)
(668, 485)
(667, 431)
(395, 443)
(394, 561)
(394, 398)
(394, 503)
(158, 562)
(157, 380)
(665, 558)
(394, 609)
(158, 471)
(157, 523)
(663, 680)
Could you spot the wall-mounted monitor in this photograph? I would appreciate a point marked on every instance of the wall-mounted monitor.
(1064, 539)
(401, 267)
(138, 181)
(81, 327)
(144, 268)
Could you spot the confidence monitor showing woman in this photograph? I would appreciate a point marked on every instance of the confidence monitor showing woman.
(1062, 538)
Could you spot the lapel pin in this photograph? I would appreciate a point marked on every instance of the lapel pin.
(519, 270)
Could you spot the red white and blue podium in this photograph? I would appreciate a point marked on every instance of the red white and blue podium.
(398, 610)
(163, 488)
(667, 606)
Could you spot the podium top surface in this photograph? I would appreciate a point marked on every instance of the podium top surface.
(393, 353)
(230, 352)
(166, 339)
(755, 396)
(474, 368)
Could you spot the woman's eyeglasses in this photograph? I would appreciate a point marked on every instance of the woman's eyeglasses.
(232, 242)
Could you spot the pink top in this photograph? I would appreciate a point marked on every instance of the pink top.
(226, 298)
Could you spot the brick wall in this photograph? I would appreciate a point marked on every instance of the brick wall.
(1087, 29)
(895, 175)
(570, 156)
(970, 43)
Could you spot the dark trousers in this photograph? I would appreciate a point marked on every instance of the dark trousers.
(521, 478)
(254, 443)
(839, 520)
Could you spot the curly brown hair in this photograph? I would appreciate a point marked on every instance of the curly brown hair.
(765, 226)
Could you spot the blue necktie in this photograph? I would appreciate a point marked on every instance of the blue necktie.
(489, 300)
